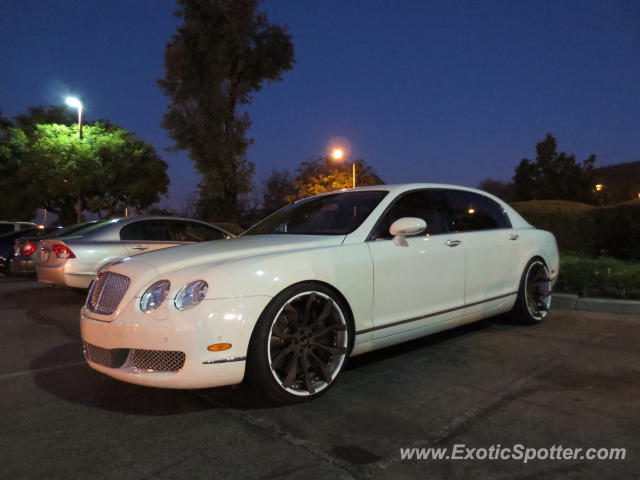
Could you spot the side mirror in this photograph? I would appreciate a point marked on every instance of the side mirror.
(404, 227)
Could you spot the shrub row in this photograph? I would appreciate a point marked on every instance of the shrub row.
(604, 277)
(610, 230)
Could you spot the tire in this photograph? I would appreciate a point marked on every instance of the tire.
(533, 303)
(300, 343)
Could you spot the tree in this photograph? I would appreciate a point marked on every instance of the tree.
(278, 188)
(58, 114)
(108, 169)
(223, 52)
(49, 166)
(326, 175)
(554, 175)
(17, 204)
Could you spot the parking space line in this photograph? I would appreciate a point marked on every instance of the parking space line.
(43, 369)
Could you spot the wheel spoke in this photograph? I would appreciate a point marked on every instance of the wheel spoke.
(326, 311)
(337, 327)
(331, 349)
(292, 370)
(306, 316)
(279, 359)
(304, 362)
(325, 371)
(291, 315)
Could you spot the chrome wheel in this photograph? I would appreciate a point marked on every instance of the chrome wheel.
(537, 290)
(308, 343)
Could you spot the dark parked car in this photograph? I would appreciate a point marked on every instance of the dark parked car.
(8, 242)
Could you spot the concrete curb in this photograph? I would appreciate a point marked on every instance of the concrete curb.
(605, 305)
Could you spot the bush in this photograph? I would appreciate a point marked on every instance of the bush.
(598, 277)
(619, 230)
(574, 224)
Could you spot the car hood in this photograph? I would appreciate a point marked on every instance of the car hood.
(177, 258)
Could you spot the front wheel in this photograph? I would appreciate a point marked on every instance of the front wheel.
(534, 295)
(300, 343)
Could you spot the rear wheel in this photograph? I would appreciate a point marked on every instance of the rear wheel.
(534, 295)
(300, 343)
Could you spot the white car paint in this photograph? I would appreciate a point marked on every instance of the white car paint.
(394, 292)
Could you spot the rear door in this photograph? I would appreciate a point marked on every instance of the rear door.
(147, 235)
(491, 248)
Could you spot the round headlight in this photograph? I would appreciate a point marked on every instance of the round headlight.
(154, 296)
(191, 294)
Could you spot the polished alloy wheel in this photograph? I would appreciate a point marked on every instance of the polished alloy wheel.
(308, 343)
(538, 290)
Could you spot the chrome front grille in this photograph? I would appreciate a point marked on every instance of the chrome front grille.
(144, 360)
(114, 358)
(106, 292)
(157, 360)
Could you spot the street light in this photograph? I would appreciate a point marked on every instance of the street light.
(338, 154)
(73, 102)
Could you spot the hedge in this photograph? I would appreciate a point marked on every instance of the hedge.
(611, 230)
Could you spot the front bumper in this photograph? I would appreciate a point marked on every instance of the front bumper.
(167, 331)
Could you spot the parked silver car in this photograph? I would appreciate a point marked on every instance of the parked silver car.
(75, 260)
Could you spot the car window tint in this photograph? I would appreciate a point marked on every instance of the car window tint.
(425, 204)
(184, 231)
(6, 228)
(147, 230)
(472, 211)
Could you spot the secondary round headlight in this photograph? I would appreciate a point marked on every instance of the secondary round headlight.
(154, 296)
(191, 294)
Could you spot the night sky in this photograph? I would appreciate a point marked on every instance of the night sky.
(444, 91)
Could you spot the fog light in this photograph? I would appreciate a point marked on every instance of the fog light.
(219, 347)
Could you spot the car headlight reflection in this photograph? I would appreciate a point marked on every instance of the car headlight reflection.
(154, 296)
(191, 294)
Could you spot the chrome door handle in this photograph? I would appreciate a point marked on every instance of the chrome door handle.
(452, 243)
(514, 236)
(140, 247)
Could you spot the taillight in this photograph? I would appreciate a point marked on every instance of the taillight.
(62, 251)
(27, 249)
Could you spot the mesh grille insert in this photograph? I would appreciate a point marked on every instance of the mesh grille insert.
(157, 360)
(106, 292)
(114, 358)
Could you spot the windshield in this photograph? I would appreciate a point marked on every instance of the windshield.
(333, 214)
(61, 232)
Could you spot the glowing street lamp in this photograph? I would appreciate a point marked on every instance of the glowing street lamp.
(338, 154)
(73, 102)
(599, 187)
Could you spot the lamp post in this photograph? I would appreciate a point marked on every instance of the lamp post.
(77, 104)
(338, 154)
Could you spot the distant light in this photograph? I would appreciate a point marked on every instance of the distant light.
(639, 195)
(73, 102)
(471, 210)
(337, 154)
(599, 187)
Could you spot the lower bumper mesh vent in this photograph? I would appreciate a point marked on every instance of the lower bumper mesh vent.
(114, 358)
(147, 360)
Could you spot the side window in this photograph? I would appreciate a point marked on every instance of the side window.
(183, 231)
(471, 211)
(6, 228)
(425, 204)
(146, 230)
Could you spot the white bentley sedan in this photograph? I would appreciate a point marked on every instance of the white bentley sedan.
(325, 278)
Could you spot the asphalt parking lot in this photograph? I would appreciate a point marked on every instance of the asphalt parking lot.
(572, 381)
